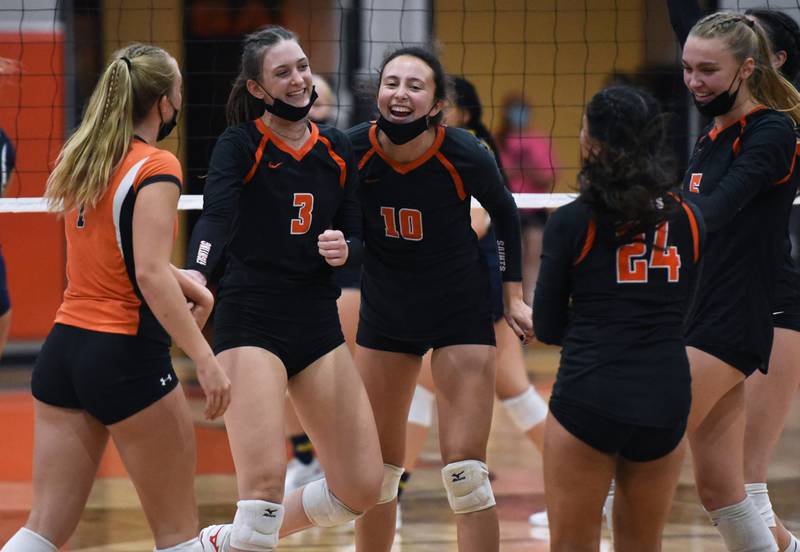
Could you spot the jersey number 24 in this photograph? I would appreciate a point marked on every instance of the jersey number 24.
(632, 268)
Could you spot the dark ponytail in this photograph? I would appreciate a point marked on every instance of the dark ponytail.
(243, 106)
(784, 35)
(625, 178)
(466, 98)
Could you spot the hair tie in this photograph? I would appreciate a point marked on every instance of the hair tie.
(127, 62)
(749, 22)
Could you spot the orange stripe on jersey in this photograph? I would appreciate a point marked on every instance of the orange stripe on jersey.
(404, 168)
(338, 160)
(365, 158)
(591, 231)
(259, 153)
(714, 132)
(298, 154)
(786, 178)
(459, 184)
(695, 231)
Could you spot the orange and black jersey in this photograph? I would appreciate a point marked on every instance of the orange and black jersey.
(618, 311)
(265, 204)
(420, 250)
(683, 14)
(741, 179)
(102, 293)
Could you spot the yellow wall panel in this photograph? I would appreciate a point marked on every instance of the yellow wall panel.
(557, 52)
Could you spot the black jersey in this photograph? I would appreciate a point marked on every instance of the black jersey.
(422, 261)
(740, 177)
(265, 205)
(683, 14)
(618, 312)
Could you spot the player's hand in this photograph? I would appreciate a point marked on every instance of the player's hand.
(195, 275)
(216, 386)
(199, 299)
(333, 247)
(200, 306)
(517, 313)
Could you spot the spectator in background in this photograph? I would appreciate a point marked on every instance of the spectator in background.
(324, 110)
(7, 159)
(530, 164)
(7, 162)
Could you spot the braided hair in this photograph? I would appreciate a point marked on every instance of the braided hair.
(137, 77)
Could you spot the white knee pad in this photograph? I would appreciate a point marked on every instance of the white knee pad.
(742, 528)
(421, 412)
(323, 508)
(467, 485)
(760, 496)
(527, 409)
(26, 540)
(256, 525)
(192, 545)
(391, 482)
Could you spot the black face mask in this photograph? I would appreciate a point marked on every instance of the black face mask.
(286, 111)
(165, 128)
(721, 104)
(400, 133)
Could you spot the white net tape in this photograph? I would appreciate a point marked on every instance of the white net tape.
(195, 202)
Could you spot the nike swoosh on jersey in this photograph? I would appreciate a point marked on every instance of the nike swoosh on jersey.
(272, 165)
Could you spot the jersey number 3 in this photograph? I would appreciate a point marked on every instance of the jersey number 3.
(302, 223)
(410, 223)
(633, 269)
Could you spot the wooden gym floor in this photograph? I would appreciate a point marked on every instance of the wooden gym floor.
(113, 521)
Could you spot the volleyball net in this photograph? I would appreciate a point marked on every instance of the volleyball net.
(534, 63)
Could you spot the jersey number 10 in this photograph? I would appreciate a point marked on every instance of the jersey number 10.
(633, 269)
(410, 223)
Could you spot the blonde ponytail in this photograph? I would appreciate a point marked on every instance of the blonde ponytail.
(136, 78)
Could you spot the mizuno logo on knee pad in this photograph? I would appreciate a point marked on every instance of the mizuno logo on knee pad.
(256, 525)
(467, 485)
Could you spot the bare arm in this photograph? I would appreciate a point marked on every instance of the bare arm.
(153, 217)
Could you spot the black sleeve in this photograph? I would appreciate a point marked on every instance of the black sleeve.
(488, 187)
(348, 217)
(683, 14)
(551, 298)
(765, 157)
(228, 166)
(701, 225)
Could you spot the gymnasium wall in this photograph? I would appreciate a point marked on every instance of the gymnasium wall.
(558, 53)
(32, 115)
